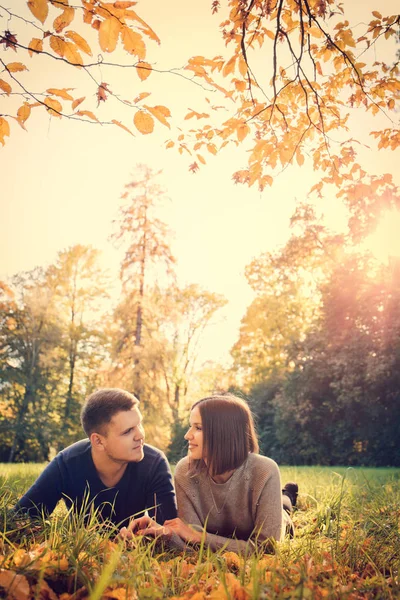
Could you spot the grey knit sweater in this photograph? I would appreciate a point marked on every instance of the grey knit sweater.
(249, 504)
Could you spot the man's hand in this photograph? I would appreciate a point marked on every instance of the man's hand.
(143, 526)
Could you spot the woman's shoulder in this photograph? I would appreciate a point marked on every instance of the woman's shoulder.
(262, 464)
(181, 468)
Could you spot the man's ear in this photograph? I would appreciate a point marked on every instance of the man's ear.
(97, 441)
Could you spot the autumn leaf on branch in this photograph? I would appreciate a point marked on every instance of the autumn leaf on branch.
(9, 40)
(102, 93)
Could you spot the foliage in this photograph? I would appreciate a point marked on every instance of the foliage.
(71, 35)
(347, 546)
(47, 337)
(287, 88)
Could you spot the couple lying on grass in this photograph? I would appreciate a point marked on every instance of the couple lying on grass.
(226, 493)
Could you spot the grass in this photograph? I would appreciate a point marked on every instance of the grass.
(347, 546)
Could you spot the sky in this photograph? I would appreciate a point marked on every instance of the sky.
(61, 181)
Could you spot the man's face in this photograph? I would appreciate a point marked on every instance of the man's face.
(124, 437)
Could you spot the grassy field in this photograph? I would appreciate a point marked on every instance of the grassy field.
(347, 546)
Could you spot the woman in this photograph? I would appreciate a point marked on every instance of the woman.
(227, 494)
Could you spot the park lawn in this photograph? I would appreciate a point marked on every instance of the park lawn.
(347, 546)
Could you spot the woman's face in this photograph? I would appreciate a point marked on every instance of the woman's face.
(194, 435)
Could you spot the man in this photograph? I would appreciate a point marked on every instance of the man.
(112, 471)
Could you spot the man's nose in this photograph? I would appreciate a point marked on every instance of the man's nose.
(139, 433)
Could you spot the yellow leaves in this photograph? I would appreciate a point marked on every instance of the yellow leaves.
(160, 113)
(229, 66)
(212, 148)
(133, 43)
(61, 93)
(57, 44)
(77, 102)
(391, 104)
(109, 31)
(143, 70)
(71, 54)
(39, 9)
(79, 41)
(240, 85)
(4, 130)
(141, 96)
(299, 158)
(242, 66)
(15, 67)
(242, 131)
(35, 45)
(53, 106)
(23, 114)
(63, 20)
(143, 122)
(6, 87)
(122, 126)
(87, 113)
(15, 586)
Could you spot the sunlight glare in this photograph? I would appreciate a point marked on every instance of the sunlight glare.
(384, 242)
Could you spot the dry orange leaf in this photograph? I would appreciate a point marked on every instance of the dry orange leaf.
(71, 54)
(57, 44)
(16, 586)
(35, 45)
(141, 96)
(4, 129)
(122, 126)
(77, 102)
(242, 131)
(124, 4)
(14, 67)
(62, 93)
(79, 41)
(160, 113)
(6, 87)
(53, 106)
(133, 43)
(229, 66)
(108, 34)
(143, 70)
(39, 9)
(143, 122)
(63, 20)
(23, 114)
(87, 113)
(212, 148)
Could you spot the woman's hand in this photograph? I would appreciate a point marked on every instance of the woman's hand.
(185, 532)
(143, 526)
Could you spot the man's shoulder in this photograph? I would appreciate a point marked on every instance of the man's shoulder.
(151, 453)
(76, 451)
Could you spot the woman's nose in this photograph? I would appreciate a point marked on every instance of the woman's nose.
(187, 435)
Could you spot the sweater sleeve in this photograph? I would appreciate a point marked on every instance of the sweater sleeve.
(161, 493)
(44, 494)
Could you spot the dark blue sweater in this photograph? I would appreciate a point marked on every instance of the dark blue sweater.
(71, 475)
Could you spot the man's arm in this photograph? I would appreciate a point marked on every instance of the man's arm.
(160, 498)
(44, 494)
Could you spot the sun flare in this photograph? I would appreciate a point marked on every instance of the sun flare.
(384, 242)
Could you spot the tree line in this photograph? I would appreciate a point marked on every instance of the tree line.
(319, 350)
(317, 355)
(59, 339)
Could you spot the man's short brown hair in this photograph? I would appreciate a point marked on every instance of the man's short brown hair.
(228, 432)
(100, 407)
